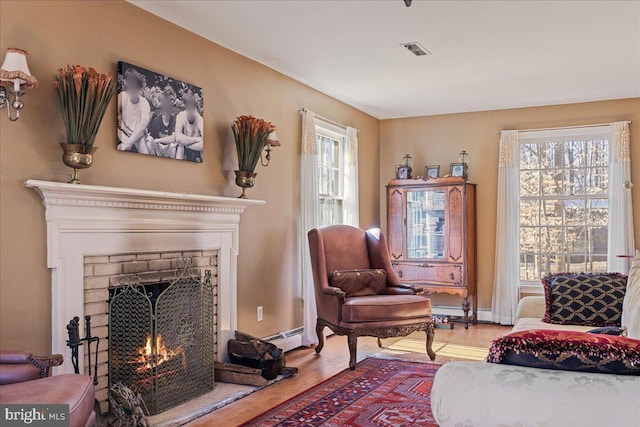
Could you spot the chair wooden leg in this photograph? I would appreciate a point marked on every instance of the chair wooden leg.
(430, 334)
(379, 343)
(319, 329)
(353, 350)
(465, 308)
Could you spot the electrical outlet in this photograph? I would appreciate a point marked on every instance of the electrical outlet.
(259, 313)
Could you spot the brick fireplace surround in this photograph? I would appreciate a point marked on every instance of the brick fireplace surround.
(96, 234)
(105, 271)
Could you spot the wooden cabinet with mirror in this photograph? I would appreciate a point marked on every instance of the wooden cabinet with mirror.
(432, 237)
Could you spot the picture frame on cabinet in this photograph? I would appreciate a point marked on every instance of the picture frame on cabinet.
(458, 169)
(403, 172)
(431, 172)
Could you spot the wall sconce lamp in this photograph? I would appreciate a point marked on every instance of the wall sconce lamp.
(272, 141)
(15, 76)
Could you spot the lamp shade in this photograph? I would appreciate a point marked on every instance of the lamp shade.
(15, 69)
(273, 140)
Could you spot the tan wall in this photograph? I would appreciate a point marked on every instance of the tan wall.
(99, 34)
(439, 139)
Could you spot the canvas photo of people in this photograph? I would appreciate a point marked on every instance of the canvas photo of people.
(159, 115)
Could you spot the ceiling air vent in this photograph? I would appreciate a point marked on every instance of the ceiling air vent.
(416, 48)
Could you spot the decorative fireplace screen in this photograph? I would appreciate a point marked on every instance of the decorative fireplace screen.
(161, 337)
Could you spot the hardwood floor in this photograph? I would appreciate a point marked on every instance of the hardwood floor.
(334, 358)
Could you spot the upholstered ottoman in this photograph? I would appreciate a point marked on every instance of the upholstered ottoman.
(476, 394)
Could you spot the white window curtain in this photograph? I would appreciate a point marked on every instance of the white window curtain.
(309, 219)
(351, 204)
(620, 239)
(507, 262)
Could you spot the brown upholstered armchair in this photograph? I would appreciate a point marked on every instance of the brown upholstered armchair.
(352, 299)
(25, 379)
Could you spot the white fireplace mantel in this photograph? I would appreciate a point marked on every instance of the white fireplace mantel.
(89, 220)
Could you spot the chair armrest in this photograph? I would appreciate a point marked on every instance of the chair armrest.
(533, 306)
(46, 362)
(19, 366)
(404, 289)
(337, 292)
(14, 357)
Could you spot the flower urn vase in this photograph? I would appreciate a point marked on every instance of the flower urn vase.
(77, 156)
(245, 180)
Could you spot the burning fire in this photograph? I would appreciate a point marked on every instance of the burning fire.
(158, 351)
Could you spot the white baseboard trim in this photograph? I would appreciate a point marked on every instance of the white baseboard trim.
(484, 314)
(292, 339)
(287, 340)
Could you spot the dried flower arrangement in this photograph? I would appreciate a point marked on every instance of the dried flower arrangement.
(252, 136)
(83, 97)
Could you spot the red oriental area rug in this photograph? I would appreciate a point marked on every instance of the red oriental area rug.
(379, 392)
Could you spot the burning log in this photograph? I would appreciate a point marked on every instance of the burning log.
(156, 353)
(255, 353)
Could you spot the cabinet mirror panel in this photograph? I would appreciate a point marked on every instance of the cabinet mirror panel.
(425, 224)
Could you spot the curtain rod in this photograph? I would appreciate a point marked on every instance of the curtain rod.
(567, 127)
(324, 119)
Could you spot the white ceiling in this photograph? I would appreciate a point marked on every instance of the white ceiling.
(487, 55)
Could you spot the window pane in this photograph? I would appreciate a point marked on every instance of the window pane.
(575, 240)
(597, 263)
(575, 212)
(551, 155)
(529, 156)
(576, 264)
(598, 240)
(551, 213)
(551, 182)
(599, 212)
(551, 239)
(529, 183)
(574, 182)
(550, 264)
(529, 212)
(528, 266)
(598, 180)
(598, 153)
(324, 187)
(529, 239)
(326, 152)
(574, 154)
(323, 212)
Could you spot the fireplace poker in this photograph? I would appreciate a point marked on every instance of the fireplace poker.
(90, 340)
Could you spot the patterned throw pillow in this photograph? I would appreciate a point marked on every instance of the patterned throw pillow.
(568, 350)
(584, 299)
